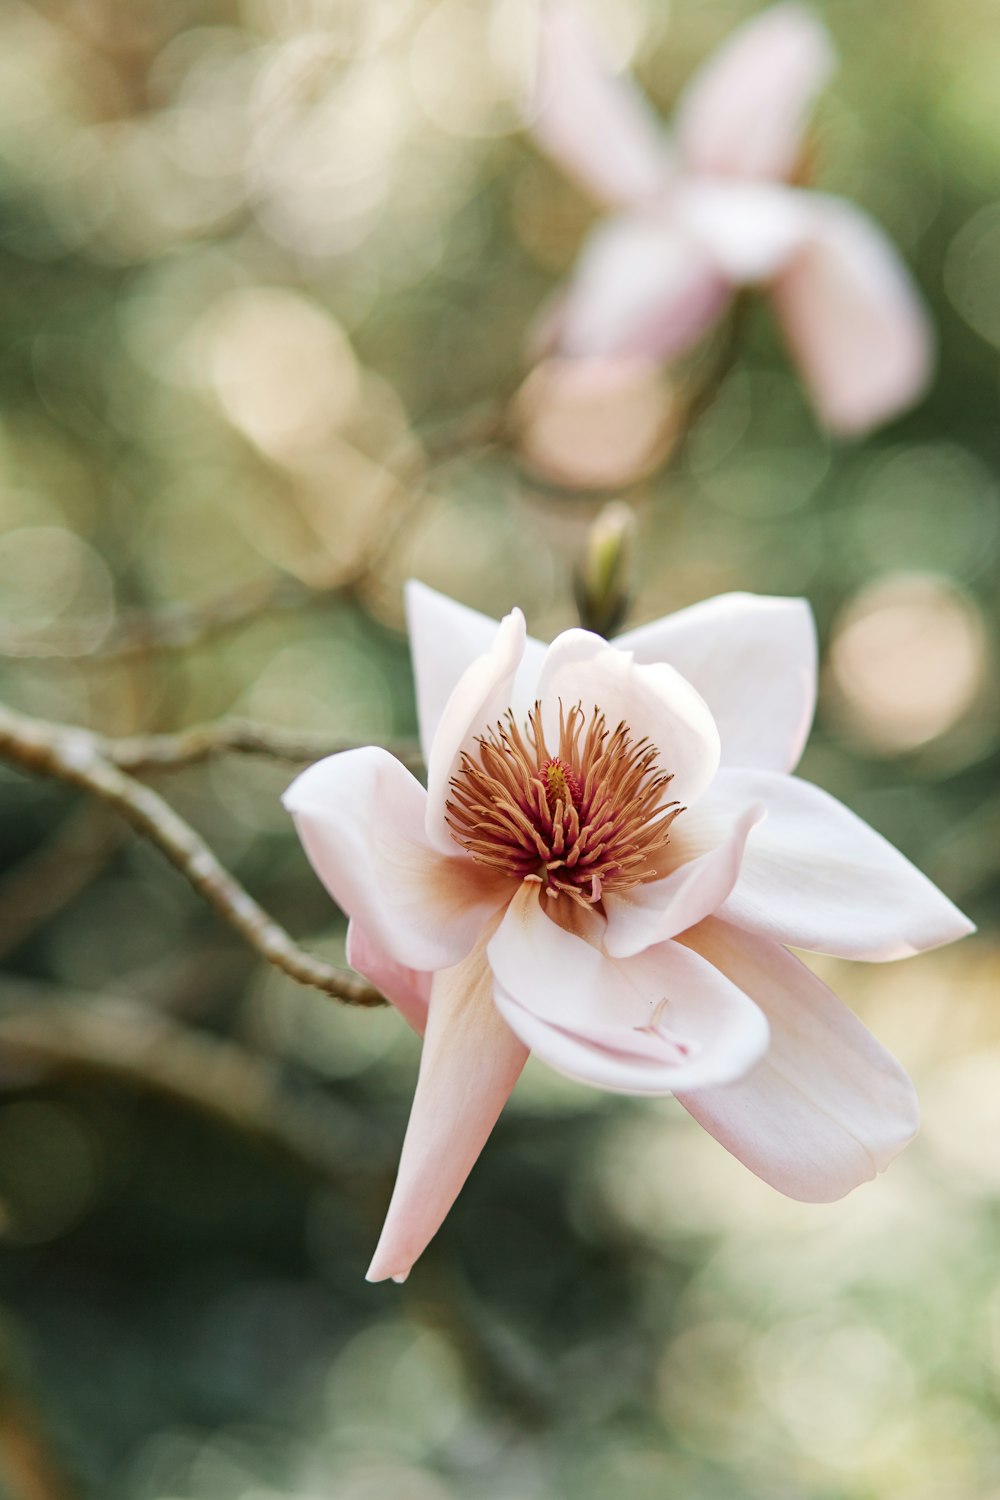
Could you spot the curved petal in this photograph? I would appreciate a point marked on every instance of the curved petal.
(853, 320)
(749, 231)
(409, 990)
(656, 702)
(593, 124)
(828, 1107)
(360, 816)
(753, 660)
(651, 1024)
(479, 699)
(642, 287)
(445, 639)
(708, 849)
(469, 1064)
(816, 876)
(744, 111)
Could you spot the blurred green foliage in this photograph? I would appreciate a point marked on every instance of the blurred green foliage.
(250, 256)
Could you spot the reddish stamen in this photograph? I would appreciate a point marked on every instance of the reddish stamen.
(584, 823)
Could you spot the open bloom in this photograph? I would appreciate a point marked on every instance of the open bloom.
(705, 210)
(605, 868)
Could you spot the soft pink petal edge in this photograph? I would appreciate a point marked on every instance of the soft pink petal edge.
(468, 1067)
(753, 658)
(828, 1107)
(360, 816)
(744, 111)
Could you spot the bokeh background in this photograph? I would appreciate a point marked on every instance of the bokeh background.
(266, 273)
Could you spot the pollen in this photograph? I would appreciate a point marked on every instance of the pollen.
(587, 821)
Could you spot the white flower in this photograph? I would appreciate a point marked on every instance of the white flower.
(605, 868)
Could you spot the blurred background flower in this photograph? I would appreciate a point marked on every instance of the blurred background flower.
(268, 269)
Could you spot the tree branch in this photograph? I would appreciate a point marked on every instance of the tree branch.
(120, 1039)
(232, 735)
(75, 757)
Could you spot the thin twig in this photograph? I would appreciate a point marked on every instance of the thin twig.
(202, 742)
(74, 756)
(50, 876)
(82, 1034)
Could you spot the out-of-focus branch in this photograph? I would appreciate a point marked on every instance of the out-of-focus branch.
(179, 627)
(50, 876)
(238, 736)
(54, 1033)
(29, 1470)
(75, 757)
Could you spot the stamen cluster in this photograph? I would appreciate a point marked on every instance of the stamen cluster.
(587, 821)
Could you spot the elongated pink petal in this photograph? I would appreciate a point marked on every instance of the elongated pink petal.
(707, 849)
(744, 112)
(828, 1107)
(595, 125)
(360, 816)
(656, 703)
(753, 660)
(854, 321)
(445, 639)
(642, 287)
(478, 701)
(470, 1062)
(408, 990)
(816, 876)
(651, 1024)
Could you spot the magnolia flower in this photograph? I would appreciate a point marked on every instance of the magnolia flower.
(706, 210)
(605, 868)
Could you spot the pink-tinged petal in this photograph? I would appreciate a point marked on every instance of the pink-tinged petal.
(445, 639)
(409, 990)
(595, 125)
(706, 849)
(480, 698)
(360, 816)
(815, 876)
(470, 1062)
(828, 1107)
(853, 320)
(744, 112)
(642, 288)
(753, 660)
(748, 231)
(656, 703)
(651, 1024)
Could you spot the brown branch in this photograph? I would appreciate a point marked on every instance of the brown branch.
(82, 1035)
(29, 1468)
(53, 874)
(237, 736)
(75, 757)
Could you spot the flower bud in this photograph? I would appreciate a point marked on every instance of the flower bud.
(603, 580)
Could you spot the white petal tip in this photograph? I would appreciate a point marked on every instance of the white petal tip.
(375, 1273)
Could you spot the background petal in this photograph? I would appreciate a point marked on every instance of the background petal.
(744, 112)
(644, 1025)
(360, 816)
(595, 125)
(816, 876)
(828, 1107)
(642, 287)
(469, 1064)
(656, 702)
(753, 660)
(853, 320)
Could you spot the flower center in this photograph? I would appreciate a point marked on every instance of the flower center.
(585, 822)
